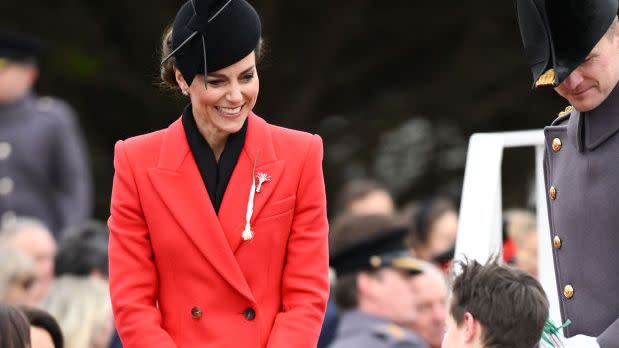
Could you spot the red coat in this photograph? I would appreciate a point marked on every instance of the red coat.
(181, 276)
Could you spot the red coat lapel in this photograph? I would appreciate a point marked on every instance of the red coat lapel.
(179, 184)
(258, 147)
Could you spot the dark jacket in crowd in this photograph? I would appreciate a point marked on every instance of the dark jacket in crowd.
(44, 171)
(357, 329)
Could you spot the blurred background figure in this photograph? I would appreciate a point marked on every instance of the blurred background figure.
(432, 230)
(44, 330)
(83, 309)
(32, 237)
(430, 288)
(83, 251)
(521, 227)
(14, 328)
(364, 196)
(43, 167)
(373, 290)
(17, 277)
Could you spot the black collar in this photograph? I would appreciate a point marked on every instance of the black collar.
(215, 175)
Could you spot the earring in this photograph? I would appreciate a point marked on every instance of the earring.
(185, 92)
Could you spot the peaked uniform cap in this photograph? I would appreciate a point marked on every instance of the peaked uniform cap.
(19, 47)
(559, 34)
(227, 30)
(383, 248)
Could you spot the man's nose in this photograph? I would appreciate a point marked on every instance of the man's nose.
(573, 80)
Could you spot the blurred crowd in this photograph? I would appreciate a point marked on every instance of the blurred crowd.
(364, 209)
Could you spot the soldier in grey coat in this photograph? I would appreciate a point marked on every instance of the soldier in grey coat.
(573, 45)
(374, 292)
(43, 167)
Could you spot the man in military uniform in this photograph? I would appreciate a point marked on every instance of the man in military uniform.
(374, 292)
(573, 45)
(43, 167)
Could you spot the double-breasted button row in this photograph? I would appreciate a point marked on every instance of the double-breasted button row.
(249, 313)
(5, 150)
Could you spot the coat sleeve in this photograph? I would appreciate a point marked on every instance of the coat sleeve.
(305, 285)
(133, 276)
(610, 337)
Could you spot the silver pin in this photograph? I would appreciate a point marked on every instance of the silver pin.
(262, 177)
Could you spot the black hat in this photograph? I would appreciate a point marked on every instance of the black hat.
(19, 47)
(383, 249)
(209, 35)
(559, 34)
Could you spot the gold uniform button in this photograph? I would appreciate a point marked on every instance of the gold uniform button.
(196, 313)
(556, 144)
(568, 291)
(5, 150)
(552, 193)
(556, 242)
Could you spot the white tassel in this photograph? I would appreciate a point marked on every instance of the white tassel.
(248, 234)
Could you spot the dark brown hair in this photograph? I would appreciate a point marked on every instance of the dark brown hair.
(167, 73)
(43, 320)
(426, 214)
(14, 328)
(355, 190)
(510, 304)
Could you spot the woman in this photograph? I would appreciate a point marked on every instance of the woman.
(83, 310)
(432, 230)
(14, 328)
(218, 223)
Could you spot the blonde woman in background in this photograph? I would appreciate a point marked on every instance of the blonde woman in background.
(17, 277)
(83, 309)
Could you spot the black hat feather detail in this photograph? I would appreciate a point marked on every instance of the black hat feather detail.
(209, 35)
(559, 34)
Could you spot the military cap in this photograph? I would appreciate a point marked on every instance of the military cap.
(383, 248)
(559, 34)
(208, 35)
(18, 48)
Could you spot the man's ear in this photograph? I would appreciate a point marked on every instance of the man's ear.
(472, 328)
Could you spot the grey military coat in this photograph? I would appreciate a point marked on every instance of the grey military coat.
(44, 171)
(581, 170)
(357, 329)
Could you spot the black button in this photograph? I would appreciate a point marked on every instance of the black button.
(196, 312)
(249, 313)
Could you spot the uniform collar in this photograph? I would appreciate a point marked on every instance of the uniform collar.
(591, 129)
(17, 105)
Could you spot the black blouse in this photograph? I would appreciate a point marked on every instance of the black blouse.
(215, 175)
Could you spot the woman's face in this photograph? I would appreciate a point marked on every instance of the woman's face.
(443, 233)
(221, 109)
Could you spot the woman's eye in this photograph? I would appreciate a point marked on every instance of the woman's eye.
(215, 82)
(248, 77)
